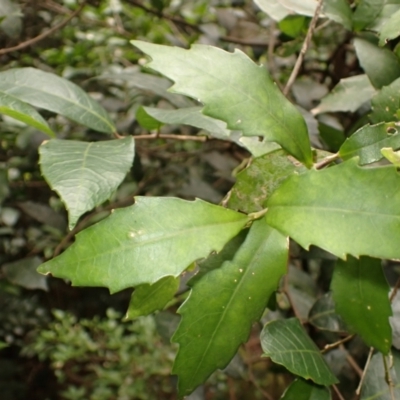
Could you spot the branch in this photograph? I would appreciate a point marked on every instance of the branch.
(154, 136)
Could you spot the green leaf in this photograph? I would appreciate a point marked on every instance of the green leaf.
(366, 12)
(348, 95)
(146, 299)
(50, 92)
(85, 174)
(361, 295)
(391, 30)
(344, 209)
(218, 315)
(306, 390)
(17, 109)
(386, 104)
(375, 385)
(3, 345)
(293, 25)
(391, 156)
(243, 95)
(146, 120)
(257, 182)
(288, 344)
(381, 65)
(154, 238)
(273, 8)
(338, 11)
(368, 141)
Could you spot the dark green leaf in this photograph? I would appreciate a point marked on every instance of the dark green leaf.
(85, 174)
(368, 141)
(386, 104)
(391, 30)
(338, 11)
(306, 390)
(293, 25)
(154, 238)
(361, 295)
(366, 12)
(331, 136)
(223, 304)
(146, 120)
(254, 106)
(344, 209)
(288, 344)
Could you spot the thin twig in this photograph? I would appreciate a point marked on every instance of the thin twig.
(336, 390)
(388, 377)
(154, 136)
(336, 344)
(395, 290)
(371, 351)
(43, 35)
(326, 161)
(352, 361)
(304, 49)
(289, 297)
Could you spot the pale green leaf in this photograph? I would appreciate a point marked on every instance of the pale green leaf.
(302, 7)
(368, 141)
(146, 299)
(154, 238)
(344, 209)
(386, 104)
(348, 95)
(218, 315)
(273, 8)
(338, 11)
(287, 343)
(389, 9)
(306, 390)
(366, 12)
(17, 109)
(85, 174)
(50, 92)
(391, 30)
(243, 95)
(375, 385)
(391, 156)
(381, 65)
(361, 296)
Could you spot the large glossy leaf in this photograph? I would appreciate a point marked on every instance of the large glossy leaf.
(348, 95)
(391, 30)
(361, 295)
(50, 92)
(344, 209)
(288, 344)
(381, 65)
(375, 385)
(17, 109)
(386, 104)
(224, 303)
(154, 238)
(85, 174)
(221, 81)
(366, 12)
(368, 141)
(306, 390)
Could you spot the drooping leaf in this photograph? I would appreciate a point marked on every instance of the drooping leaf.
(344, 209)
(381, 65)
(348, 95)
(386, 104)
(257, 182)
(368, 141)
(50, 92)
(224, 303)
(85, 174)
(361, 296)
(17, 109)
(375, 385)
(254, 106)
(391, 30)
(366, 12)
(306, 390)
(287, 343)
(273, 8)
(147, 299)
(154, 238)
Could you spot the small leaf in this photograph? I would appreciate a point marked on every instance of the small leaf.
(50, 92)
(348, 95)
(146, 120)
(306, 390)
(218, 315)
(85, 174)
(391, 30)
(391, 156)
(253, 105)
(17, 109)
(154, 238)
(368, 141)
(344, 209)
(146, 299)
(366, 12)
(288, 344)
(386, 103)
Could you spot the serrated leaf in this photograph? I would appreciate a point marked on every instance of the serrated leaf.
(348, 95)
(85, 174)
(361, 295)
(50, 92)
(287, 343)
(366, 12)
(375, 385)
(391, 30)
(368, 141)
(381, 65)
(146, 299)
(17, 109)
(386, 104)
(306, 390)
(344, 209)
(257, 182)
(154, 238)
(223, 304)
(243, 95)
